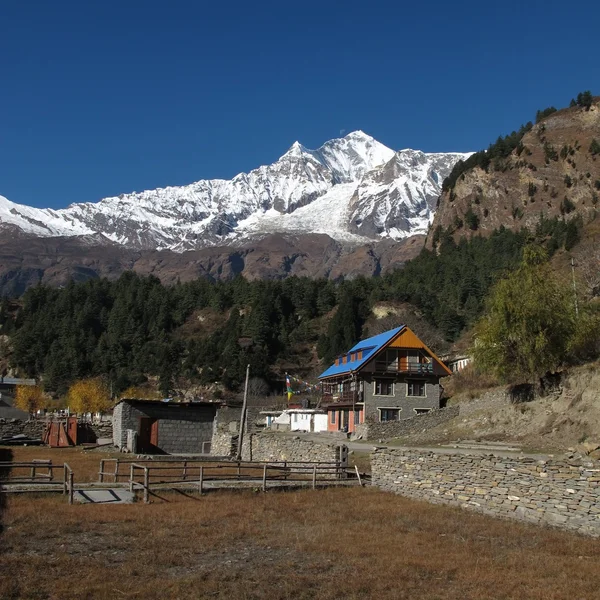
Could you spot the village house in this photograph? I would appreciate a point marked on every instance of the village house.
(387, 377)
(154, 427)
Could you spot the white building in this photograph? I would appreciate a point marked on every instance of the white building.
(312, 420)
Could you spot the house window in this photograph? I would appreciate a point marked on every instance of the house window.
(356, 417)
(421, 411)
(332, 418)
(384, 387)
(415, 388)
(389, 414)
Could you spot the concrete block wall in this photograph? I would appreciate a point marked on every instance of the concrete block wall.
(564, 494)
(181, 429)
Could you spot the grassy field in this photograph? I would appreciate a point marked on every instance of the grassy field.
(346, 543)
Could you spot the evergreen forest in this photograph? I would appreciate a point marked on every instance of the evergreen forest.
(135, 327)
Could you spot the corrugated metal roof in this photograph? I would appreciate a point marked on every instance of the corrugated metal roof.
(369, 347)
(16, 381)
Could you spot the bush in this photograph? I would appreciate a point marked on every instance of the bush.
(471, 219)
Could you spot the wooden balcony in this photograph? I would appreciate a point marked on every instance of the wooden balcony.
(404, 367)
(346, 397)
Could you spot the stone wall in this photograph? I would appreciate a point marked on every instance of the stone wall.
(399, 398)
(372, 430)
(560, 493)
(226, 429)
(284, 447)
(182, 429)
(33, 428)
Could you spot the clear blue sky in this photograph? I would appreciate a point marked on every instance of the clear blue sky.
(103, 97)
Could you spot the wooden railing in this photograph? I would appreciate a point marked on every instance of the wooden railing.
(412, 368)
(144, 475)
(19, 474)
(114, 470)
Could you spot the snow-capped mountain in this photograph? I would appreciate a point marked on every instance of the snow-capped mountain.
(353, 188)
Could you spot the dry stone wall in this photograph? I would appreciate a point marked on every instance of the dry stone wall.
(33, 428)
(565, 494)
(278, 447)
(372, 430)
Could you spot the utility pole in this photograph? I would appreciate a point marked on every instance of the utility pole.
(574, 287)
(243, 417)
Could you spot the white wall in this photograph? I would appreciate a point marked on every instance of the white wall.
(301, 422)
(320, 423)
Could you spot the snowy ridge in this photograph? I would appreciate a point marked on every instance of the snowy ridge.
(354, 188)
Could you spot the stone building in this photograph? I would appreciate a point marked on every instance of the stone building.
(154, 427)
(387, 377)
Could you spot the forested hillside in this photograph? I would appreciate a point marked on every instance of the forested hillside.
(544, 170)
(136, 327)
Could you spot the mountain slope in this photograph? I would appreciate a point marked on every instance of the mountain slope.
(553, 172)
(327, 190)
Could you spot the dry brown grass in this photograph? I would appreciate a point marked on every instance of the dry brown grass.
(336, 543)
(85, 463)
(469, 382)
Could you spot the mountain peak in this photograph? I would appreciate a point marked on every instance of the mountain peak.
(308, 191)
(358, 134)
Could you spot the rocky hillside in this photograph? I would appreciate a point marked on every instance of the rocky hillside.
(553, 171)
(27, 260)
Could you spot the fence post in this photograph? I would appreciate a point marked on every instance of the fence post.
(358, 475)
(238, 470)
(131, 477)
(71, 479)
(32, 470)
(264, 483)
(201, 480)
(184, 469)
(101, 474)
(50, 473)
(64, 478)
(285, 472)
(314, 477)
(116, 470)
(146, 485)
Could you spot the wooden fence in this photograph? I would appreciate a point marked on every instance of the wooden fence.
(144, 475)
(115, 470)
(37, 476)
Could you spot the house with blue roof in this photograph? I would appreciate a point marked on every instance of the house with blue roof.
(387, 377)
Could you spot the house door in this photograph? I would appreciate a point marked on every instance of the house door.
(148, 437)
(344, 421)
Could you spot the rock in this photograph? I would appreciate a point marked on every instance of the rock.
(588, 447)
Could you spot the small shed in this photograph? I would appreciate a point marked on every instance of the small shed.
(307, 419)
(164, 427)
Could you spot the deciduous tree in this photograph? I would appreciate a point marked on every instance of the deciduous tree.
(529, 323)
(89, 395)
(30, 398)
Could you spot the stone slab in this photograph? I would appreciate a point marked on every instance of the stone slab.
(104, 496)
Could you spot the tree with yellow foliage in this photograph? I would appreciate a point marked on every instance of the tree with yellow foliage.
(89, 395)
(30, 398)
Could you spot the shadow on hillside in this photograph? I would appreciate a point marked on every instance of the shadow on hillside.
(6, 455)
